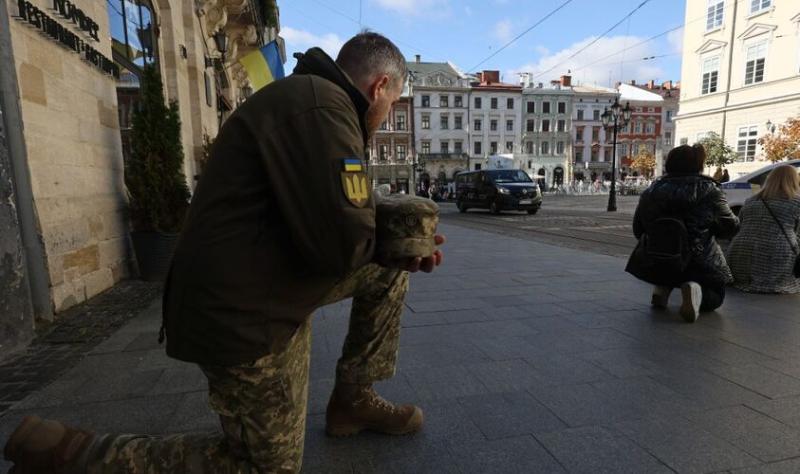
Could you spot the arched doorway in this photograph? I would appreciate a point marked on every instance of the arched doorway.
(558, 176)
(541, 178)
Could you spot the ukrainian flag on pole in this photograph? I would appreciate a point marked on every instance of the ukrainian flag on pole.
(263, 66)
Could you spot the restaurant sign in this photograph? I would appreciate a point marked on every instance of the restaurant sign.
(62, 35)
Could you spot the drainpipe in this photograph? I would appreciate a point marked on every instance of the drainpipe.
(37, 276)
(730, 72)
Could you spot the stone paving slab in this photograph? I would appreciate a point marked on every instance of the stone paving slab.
(525, 357)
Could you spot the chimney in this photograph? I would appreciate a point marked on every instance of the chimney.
(417, 58)
(651, 85)
(633, 82)
(566, 81)
(491, 76)
(667, 85)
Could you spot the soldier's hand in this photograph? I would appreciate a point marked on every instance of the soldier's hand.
(426, 264)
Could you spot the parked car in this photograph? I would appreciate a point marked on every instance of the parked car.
(497, 190)
(739, 189)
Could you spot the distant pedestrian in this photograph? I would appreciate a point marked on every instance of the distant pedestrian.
(725, 177)
(763, 253)
(718, 174)
(677, 222)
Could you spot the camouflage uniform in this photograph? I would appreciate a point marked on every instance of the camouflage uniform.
(262, 405)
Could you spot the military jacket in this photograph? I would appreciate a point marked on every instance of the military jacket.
(281, 213)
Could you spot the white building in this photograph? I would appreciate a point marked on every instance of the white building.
(495, 112)
(592, 147)
(546, 139)
(741, 70)
(441, 114)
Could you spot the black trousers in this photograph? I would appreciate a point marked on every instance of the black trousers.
(713, 296)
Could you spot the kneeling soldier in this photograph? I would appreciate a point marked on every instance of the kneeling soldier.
(282, 223)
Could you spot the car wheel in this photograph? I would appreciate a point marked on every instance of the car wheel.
(461, 207)
(533, 211)
(494, 208)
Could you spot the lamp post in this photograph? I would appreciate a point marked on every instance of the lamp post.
(221, 40)
(615, 120)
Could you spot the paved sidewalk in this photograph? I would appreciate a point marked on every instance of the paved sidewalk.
(526, 358)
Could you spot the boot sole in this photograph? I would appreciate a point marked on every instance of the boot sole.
(413, 425)
(10, 452)
(689, 310)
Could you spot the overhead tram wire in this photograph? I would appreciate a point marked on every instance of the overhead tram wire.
(630, 14)
(553, 12)
(659, 35)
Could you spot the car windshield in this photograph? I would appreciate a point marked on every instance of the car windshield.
(509, 176)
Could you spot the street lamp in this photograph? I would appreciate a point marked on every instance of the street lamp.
(221, 40)
(770, 127)
(615, 120)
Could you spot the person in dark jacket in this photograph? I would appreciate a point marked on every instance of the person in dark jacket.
(684, 199)
(254, 260)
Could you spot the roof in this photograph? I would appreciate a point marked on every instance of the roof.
(637, 94)
(594, 90)
(425, 68)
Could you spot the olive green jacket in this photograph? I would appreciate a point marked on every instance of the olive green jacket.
(270, 229)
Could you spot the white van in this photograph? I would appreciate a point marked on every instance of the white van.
(739, 189)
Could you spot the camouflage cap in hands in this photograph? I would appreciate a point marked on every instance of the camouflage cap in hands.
(405, 226)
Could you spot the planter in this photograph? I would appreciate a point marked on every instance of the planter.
(153, 253)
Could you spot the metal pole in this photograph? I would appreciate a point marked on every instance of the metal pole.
(612, 197)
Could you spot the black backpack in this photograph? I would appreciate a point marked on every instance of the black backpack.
(666, 244)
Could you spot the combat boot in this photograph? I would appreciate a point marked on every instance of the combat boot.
(43, 446)
(356, 407)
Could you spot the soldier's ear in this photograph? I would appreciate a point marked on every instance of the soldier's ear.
(379, 86)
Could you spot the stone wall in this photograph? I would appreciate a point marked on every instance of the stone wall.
(74, 158)
(16, 318)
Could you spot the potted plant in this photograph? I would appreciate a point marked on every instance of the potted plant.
(157, 189)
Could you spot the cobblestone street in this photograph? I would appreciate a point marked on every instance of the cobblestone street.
(526, 357)
(578, 222)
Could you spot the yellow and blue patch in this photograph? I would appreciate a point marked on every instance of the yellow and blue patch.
(352, 165)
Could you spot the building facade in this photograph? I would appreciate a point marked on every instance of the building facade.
(495, 113)
(546, 138)
(391, 147)
(592, 145)
(740, 70)
(441, 120)
(644, 132)
(73, 75)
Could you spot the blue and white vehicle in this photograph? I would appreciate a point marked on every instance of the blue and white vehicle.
(739, 189)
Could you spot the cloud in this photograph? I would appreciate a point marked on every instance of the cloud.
(593, 66)
(541, 50)
(414, 7)
(502, 30)
(301, 40)
(675, 39)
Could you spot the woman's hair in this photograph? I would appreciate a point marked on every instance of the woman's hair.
(782, 183)
(686, 159)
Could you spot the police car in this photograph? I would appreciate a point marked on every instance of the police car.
(739, 189)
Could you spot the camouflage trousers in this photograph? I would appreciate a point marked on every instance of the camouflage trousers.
(262, 405)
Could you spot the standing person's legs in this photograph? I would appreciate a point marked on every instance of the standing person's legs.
(262, 407)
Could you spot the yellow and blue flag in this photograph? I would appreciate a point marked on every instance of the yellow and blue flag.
(352, 165)
(263, 66)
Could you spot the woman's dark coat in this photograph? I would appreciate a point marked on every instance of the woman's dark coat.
(699, 202)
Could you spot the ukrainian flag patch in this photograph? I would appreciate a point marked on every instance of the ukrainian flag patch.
(352, 165)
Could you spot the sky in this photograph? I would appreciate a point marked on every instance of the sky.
(467, 32)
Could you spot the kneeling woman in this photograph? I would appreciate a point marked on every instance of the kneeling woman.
(762, 255)
(679, 217)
